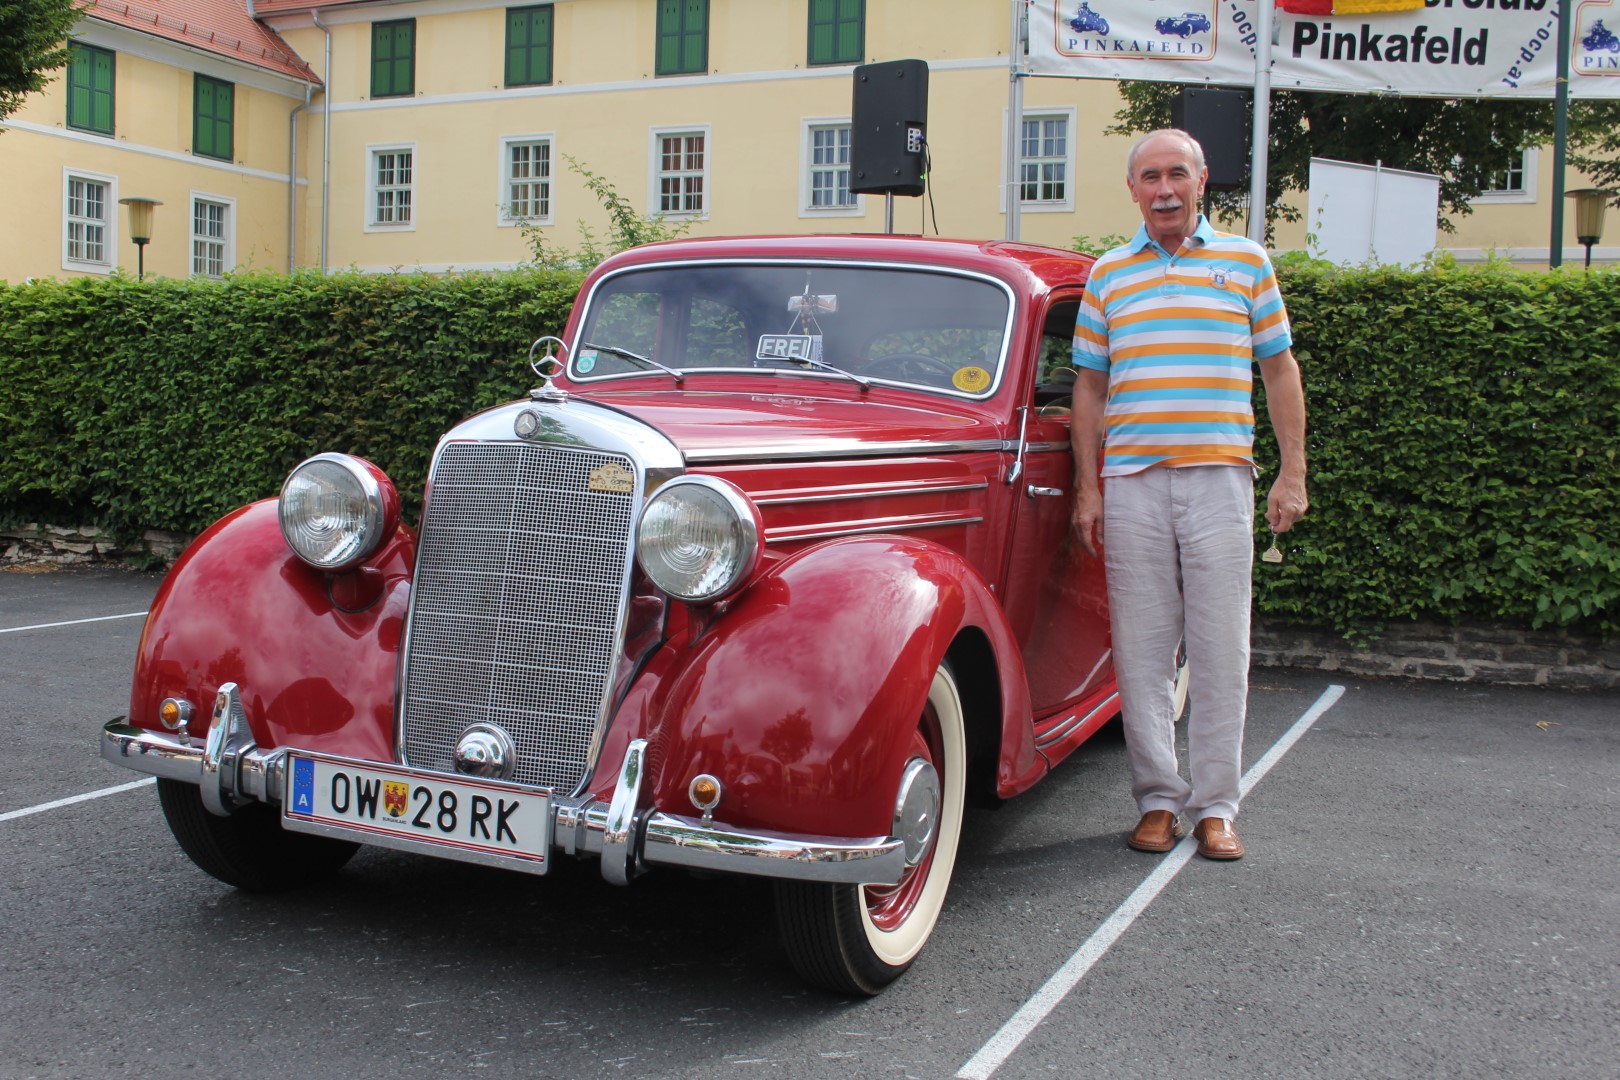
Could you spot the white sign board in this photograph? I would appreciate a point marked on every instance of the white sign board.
(1447, 48)
(1361, 214)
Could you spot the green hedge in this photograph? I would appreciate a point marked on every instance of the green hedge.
(1464, 425)
(164, 404)
(1463, 434)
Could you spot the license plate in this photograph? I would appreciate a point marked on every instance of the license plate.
(478, 821)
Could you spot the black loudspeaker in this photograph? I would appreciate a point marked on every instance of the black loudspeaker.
(1219, 120)
(888, 128)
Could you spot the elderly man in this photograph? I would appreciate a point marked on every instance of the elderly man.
(1168, 333)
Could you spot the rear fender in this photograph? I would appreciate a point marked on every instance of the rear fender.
(803, 696)
(314, 654)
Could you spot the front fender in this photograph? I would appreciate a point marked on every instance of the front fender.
(803, 697)
(314, 654)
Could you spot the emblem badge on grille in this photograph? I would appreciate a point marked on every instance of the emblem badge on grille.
(612, 478)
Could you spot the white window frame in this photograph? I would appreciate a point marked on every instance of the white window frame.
(504, 218)
(109, 236)
(1532, 168)
(373, 152)
(227, 239)
(808, 126)
(655, 174)
(1064, 205)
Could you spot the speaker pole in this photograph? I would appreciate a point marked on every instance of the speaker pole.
(1258, 157)
(888, 213)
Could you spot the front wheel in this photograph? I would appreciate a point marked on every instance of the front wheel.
(249, 849)
(856, 939)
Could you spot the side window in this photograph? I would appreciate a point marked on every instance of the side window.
(1054, 374)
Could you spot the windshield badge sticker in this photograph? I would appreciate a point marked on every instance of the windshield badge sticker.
(971, 379)
(586, 361)
(611, 479)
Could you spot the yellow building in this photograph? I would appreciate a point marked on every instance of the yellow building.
(428, 133)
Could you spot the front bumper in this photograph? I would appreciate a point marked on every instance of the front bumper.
(629, 837)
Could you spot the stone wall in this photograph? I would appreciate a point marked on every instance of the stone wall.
(1488, 654)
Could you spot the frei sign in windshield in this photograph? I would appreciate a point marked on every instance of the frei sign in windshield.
(1429, 48)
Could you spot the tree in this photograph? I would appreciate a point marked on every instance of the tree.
(1464, 142)
(33, 44)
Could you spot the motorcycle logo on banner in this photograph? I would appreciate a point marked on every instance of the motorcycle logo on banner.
(1597, 29)
(1131, 29)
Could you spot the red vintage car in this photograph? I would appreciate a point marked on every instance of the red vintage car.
(771, 574)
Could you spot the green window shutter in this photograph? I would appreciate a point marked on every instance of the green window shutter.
(837, 31)
(528, 46)
(214, 118)
(91, 76)
(683, 37)
(393, 58)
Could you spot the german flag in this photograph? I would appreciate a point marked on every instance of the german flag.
(1347, 7)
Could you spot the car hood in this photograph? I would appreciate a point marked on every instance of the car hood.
(711, 426)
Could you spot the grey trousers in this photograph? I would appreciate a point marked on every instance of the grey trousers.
(1179, 551)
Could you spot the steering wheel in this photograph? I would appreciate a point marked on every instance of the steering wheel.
(910, 365)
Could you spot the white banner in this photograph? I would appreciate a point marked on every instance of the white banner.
(1448, 48)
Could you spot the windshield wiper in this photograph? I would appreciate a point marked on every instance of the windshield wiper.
(864, 384)
(628, 355)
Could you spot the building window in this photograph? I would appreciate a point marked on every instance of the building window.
(392, 186)
(528, 46)
(526, 180)
(826, 157)
(213, 121)
(1043, 175)
(683, 37)
(837, 31)
(87, 240)
(682, 172)
(210, 236)
(393, 58)
(90, 89)
(1514, 184)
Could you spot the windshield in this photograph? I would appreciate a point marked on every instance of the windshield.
(937, 331)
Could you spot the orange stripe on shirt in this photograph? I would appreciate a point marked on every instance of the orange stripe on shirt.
(1182, 384)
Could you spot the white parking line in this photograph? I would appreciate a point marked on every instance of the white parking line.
(71, 799)
(71, 622)
(1012, 1034)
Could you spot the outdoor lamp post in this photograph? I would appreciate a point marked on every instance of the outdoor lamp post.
(1589, 206)
(140, 228)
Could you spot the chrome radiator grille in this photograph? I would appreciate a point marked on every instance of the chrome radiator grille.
(516, 606)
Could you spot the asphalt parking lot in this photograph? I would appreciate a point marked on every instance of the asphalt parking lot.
(1431, 891)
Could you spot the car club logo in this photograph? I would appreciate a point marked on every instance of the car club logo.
(1187, 33)
(612, 479)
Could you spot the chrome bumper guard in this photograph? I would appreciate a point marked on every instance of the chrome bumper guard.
(232, 771)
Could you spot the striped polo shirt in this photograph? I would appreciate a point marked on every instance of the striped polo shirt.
(1178, 336)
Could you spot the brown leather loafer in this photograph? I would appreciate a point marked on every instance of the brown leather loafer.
(1157, 832)
(1217, 839)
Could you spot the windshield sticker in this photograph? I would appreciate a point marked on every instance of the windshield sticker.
(585, 361)
(806, 347)
(971, 379)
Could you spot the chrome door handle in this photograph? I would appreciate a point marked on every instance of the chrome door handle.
(1034, 491)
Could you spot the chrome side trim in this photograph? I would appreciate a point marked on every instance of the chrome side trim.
(870, 491)
(673, 840)
(822, 451)
(619, 832)
(790, 535)
(1063, 728)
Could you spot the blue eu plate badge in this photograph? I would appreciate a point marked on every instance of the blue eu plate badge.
(303, 786)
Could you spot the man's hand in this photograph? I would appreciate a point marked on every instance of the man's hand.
(1287, 502)
(1088, 521)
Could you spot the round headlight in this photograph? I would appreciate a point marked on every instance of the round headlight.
(335, 510)
(700, 538)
